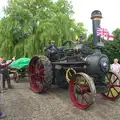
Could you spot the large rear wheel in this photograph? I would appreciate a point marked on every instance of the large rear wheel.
(113, 86)
(40, 74)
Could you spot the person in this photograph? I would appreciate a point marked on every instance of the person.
(51, 51)
(6, 76)
(115, 67)
(3, 65)
(4, 71)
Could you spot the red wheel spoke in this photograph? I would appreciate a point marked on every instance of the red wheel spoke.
(111, 93)
(36, 76)
(82, 99)
(116, 85)
(38, 70)
(32, 65)
(108, 91)
(40, 76)
(115, 80)
(88, 93)
(32, 75)
(116, 90)
(112, 78)
(109, 76)
(85, 99)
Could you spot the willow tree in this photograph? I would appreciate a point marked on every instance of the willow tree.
(30, 24)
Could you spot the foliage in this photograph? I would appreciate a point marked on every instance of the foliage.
(89, 40)
(29, 25)
(111, 48)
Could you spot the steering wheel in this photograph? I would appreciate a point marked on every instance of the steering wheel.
(68, 45)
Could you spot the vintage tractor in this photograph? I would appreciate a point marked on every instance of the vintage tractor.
(85, 72)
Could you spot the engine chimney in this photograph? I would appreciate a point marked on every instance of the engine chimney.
(96, 16)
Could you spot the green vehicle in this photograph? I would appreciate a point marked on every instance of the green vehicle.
(19, 68)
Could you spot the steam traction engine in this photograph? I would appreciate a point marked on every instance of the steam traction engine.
(75, 66)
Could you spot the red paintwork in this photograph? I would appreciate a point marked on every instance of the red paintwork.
(111, 85)
(36, 81)
(109, 94)
(83, 89)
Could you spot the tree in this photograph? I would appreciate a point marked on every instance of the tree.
(111, 48)
(31, 24)
(90, 40)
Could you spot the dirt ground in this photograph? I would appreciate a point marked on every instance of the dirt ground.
(22, 104)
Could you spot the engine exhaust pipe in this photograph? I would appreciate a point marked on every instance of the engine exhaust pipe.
(96, 17)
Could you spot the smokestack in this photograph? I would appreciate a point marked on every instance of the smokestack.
(96, 16)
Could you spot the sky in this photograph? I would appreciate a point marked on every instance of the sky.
(110, 10)
(2, 4)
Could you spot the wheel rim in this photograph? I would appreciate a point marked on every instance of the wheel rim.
(113, 83)
(69, 73)
(36, 74)
(81, 92)
(15, 76)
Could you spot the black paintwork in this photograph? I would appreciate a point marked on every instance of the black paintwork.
(78, 56)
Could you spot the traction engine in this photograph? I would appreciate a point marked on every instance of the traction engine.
(74, 65)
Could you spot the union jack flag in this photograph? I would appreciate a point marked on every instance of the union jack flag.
(109, 37)
(102, 32)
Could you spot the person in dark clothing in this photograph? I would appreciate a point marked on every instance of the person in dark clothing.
(6, 76)
(4, 71)
(51, 51)
(3, 65)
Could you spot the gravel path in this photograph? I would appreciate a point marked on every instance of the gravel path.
(22, 104)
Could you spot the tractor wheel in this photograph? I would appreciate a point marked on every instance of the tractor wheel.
(113, 84)
(69, 73)
(16, 77)
(40, 74)
(82, 90)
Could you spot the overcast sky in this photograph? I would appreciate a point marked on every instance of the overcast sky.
(83, 8)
